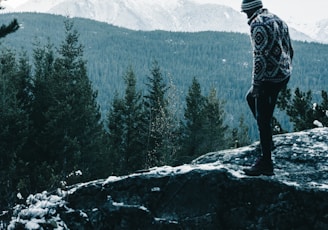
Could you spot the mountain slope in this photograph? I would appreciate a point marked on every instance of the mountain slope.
(169, 15)
(322, 31)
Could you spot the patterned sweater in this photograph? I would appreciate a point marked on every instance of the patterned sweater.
(272, 49)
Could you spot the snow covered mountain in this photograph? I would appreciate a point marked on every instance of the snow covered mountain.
(168, 15)
(322, 31)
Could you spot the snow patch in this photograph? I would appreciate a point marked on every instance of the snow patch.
(40, 208)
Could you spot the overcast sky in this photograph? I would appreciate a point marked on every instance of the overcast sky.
(302, 10)
(297, 10)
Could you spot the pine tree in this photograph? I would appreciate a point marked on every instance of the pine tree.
(134, 125)
(323, 108)
(10, 28)
(320, 111)
(77, 110)
(240, 136)
(10, 109)
(126, 128)
(156, 116)
(24, 80)
(171, 143)
(66, 117)
(284, 98)
(43, 99)
(298, 107)
(300, 111)
(14, 124)
(116, 126)
(193, 138)
(214, 128)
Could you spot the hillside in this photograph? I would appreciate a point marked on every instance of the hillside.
(218, 59)
(168, 15)
(209, 193)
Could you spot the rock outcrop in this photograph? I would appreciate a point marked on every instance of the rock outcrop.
(210, 193)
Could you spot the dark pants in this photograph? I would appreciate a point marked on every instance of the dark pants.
(262, 108)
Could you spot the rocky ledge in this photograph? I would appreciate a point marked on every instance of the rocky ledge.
(210, 193)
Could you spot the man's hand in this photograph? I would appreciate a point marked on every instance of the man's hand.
(256, 90)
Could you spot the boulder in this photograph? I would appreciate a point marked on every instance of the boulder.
(209, 193)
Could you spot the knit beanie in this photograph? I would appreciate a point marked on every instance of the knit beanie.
(247, 5)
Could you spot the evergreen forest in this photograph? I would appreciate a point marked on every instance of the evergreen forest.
(82, 100)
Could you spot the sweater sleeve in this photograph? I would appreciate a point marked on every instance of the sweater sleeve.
(259, 37)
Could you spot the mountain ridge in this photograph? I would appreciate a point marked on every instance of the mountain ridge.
(173, 15)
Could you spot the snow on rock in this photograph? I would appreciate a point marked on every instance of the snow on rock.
(39, 212)
(210, 193)
(299, 158)
(318, 124)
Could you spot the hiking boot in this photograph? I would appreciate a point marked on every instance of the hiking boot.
(261, 167)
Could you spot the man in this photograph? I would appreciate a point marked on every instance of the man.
(272, 66)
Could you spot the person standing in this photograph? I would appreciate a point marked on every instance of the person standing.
(272, 67)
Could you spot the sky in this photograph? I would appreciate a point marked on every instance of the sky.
(299, 10)
(13, 3)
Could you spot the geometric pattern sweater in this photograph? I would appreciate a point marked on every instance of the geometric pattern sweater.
(272, 48)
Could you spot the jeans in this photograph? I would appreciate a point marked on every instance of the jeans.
(262, 108)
